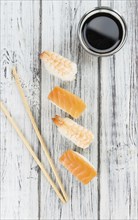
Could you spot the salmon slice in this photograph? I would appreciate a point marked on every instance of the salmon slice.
(73, 131)
(59, 66)
(78, 166)
(67, 101)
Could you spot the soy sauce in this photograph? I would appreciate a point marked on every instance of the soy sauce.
(102, 33)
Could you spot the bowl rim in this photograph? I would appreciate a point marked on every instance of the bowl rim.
(114, 13)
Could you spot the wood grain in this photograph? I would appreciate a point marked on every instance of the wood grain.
(119, 125)
(19, 46)
(109, 86)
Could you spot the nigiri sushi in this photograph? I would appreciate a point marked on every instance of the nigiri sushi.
(78, 166)
(73, 131)
(59, 66)
(67, 101)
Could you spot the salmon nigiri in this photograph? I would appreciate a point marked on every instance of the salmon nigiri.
(67, 101)
(73, 131)
(78, 166)
(59, 66)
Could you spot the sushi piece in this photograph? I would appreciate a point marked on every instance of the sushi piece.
(67, 101)
(78, 165)
(74, 132)
(59, 66)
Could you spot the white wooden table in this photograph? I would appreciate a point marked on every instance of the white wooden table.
(109, 86)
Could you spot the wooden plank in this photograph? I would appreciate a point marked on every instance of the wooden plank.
(19, 46)
(119, 127)
(109, 88)
(59, 34)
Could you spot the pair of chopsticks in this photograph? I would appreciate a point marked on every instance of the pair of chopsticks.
(63, 197)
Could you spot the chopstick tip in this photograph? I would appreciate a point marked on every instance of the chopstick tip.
(13, 70)
(64, 201)
(1, 103)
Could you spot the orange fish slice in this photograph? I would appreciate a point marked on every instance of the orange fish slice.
(78, 166)
(67, 101)
(73, 131)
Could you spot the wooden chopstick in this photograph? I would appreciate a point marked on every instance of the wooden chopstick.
(26, 105)
(28, 146)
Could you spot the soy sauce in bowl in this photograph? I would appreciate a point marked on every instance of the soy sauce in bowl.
(102, 32)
